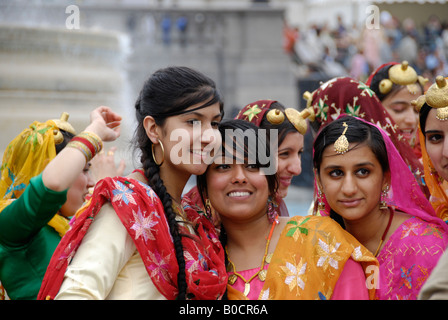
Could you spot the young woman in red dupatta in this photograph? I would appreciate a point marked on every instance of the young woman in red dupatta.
(135, 239)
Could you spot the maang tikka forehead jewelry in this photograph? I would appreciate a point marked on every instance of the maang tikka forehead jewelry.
(341, 144)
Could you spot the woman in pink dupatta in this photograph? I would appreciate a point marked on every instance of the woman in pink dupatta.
(416, 238)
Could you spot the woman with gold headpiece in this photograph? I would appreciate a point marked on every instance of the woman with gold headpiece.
(396, 85)
(348, 96)
(44, 180)
(433, 113)
(364, 184)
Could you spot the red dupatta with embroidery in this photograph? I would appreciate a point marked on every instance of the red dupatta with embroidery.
(141, 212)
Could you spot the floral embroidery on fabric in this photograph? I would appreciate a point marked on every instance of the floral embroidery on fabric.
(294, 275)
(295, 229)
(328, 255)
(143, 225)
(308, 248)
(322, 109)
(354, 109)
(123, 193)
(13, 188)
(365, 89)
(158, 265)
(36, 137)
(408, 258)
(252, 112)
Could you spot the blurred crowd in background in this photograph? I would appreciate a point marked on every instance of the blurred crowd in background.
(356, 51)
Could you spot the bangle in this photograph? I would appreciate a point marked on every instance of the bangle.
(88, 143)
(93, 139)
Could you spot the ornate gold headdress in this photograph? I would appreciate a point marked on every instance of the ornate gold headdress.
(436, 97)
(297, 118)
(341, 144)
(62, 124)
(404, 75)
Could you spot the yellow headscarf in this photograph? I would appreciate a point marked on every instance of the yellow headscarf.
(26, 157)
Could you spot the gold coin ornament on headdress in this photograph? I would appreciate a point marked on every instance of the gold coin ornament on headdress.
(437, 97)
(418, 103)
(341, 145)
(275, 116)
(62, 124)
(297, 118)
(403, 75)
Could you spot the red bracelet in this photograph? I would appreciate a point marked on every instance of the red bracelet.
(86, 142)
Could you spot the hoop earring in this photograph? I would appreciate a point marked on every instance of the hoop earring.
(383, 202)
(154, 156)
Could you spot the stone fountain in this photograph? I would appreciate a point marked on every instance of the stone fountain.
(46, 70)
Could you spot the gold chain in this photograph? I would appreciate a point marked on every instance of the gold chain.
(261, 273)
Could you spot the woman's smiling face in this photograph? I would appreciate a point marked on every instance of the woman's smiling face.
(399, 106)
(237, 191)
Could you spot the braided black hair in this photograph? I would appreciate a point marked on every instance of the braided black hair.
(166, 93)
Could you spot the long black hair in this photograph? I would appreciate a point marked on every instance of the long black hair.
(358, 132)
(168, 92)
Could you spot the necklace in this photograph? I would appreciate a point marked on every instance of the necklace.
(261, 273)
(391, 216)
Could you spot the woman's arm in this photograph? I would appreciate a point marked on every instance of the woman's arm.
(63, 170)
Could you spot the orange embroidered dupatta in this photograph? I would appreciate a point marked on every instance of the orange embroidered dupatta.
(308, 260)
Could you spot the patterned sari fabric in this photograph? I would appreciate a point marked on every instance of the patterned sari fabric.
(414, 249)
(141, 212)
(407, 259)
(308, 260)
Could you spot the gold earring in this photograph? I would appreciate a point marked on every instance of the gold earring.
(383, 203)
(154, 156)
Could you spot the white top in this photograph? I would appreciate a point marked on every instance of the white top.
(107, 265)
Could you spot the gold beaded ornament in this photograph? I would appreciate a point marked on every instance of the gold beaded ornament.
(436, 97)
(63, 124)
(297, 118)
(404, 75)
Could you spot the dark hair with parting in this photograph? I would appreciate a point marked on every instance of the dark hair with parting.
(168, 92)
(359, 133)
